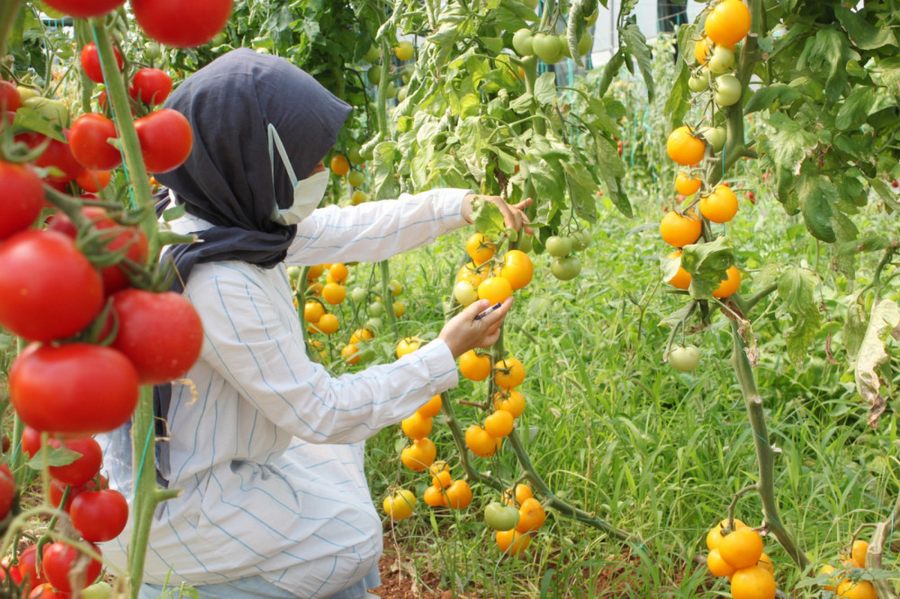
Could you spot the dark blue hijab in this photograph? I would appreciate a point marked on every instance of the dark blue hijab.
(227, 180)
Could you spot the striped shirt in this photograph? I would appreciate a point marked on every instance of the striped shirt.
(267, 449)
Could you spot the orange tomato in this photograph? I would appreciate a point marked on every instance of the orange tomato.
(473, 366)
(340, 166)
(315, 272)
(858, 553)
(459, 495)
(312, 312)
(714, 536)
(741, 548)
(432, 407)
(495, 289)
(729, 286)
(480, 248)
(499, 424)
(531, 515)
(361, 336)
(509, 373)
(314, 289)
(684, 148)
(416, 426)
(512, 401)
(434, 497)
(328, 324)
(728, 23)
(93, 181)
(701, 50)
(766, 562)
(440, 475)
(522, 493)
(350, 353)
(334, 294)
(720, 206)
(753, 583)
(338, 272)
(856, 589)
(717, 566)
(679, 230)
(512, 542)
(685, 184)
(420, 455)
(682, 279)
(517, 268)
(480, 442)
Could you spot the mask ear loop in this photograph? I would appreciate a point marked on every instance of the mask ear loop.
(275, 140)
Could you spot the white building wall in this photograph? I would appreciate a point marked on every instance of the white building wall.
(605, 42)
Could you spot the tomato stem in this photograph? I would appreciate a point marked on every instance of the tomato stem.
(765, 454)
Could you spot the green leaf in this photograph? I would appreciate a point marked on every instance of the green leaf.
(854, 330)
(816, 195)
(522, 104)
(678, 102)
(789, 140)
(767, 96)
(581, 190)
(828, 51)
(863, 34)
(611, 169)
(32, 120)
(707, 263)
(174, 212)
(855, 108)
(611, 69)
(673, 319)
(796, 289)
(56, 456)
(636, 45)
(488, 219)
(545, 89)
(884, 323)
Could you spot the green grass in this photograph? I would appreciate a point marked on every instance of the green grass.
(658, 453)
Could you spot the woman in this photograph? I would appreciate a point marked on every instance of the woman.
(266, 447)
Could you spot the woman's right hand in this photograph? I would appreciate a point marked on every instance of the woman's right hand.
(462, 332)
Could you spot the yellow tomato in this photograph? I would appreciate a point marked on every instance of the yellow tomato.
(440, 475)
(314, 272)
(512, 542)
(685, 148)
(420, 455)
(858, 553)
(679, 230)
(399, 506)
(338, 272)
(434, 497)
(340, 166)
(741, 548)
(720, 206)
(480, 442)
(459, 495)
(407, 346)
(717, 566)
(685, 184)
(714, 536)
(399, 309)
(480, 248)
(313, 311)
(856, 589)
(531, 515)
(472, 274)
(416, 426)
(509, 373)
(512, 401)
(334, 293)
(701, 51)
(495, 289)
(350, 353)
(499, 424)
(728, 23)
(361, 336)
(517, 268)
(474, 366)
(522, 493)
(432, 408)
(682, 279)
(729, 286)
(328, 324)
(753, 583)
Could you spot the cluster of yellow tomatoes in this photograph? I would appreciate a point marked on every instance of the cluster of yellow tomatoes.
(727, 23)
(738, 555)
(515, 523)
(340, 167)
(333, 292)
(851, 588)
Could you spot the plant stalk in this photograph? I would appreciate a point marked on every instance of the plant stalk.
(9, 10)
(764, 453)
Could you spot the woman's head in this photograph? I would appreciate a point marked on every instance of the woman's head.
(230, 103)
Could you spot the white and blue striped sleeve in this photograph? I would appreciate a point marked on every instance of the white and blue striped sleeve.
(246, 342)
(376, 231)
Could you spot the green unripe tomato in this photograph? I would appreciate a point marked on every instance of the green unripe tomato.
(684, 359)
(372, 55)
(354, 155)
(559, 247)
(464, 293)
(721, 61)
(100, 590)
(566, 268)
(522, 42)
(585, 44)
(698, 83)
(358, 295)
(356, 178)
(391, 91)
(583, 238)
(376, 309)
(714, 136)
(26, 93)
(374, 324)
(728, 90)
(547, 47)
(294, 273)
(525, 243)
(500, 517)
(564, 45)
(375, 75)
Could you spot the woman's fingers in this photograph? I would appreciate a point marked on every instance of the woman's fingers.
(496, 318)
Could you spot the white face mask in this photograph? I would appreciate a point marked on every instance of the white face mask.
(308, 193)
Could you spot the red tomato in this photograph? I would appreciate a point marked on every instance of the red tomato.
(48, 289)
(23, 198)
(59, 560)
(85, 8)
(182, 24)
(13, 572)
(160, 333)
(27, 568)
(56, 154)
(74, 389)
(46, 591)
(99, 515)
(88, 139)
(84, 468)
(93, 181)
(90, 61)
(31, 441)
(166, 139)
(58, 489)
(152, 86)
(10, 100)
(114, 277)
(7, 490)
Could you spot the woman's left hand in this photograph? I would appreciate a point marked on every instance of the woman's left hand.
(513, 214)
